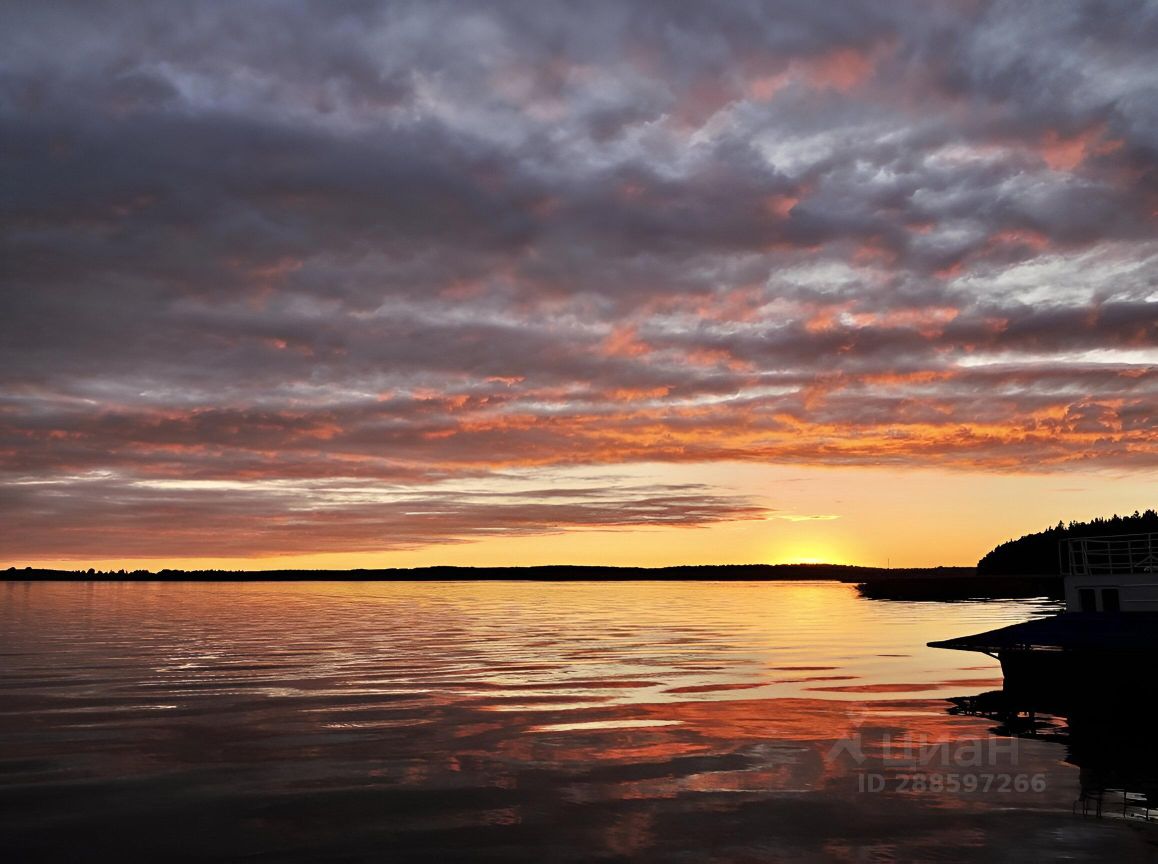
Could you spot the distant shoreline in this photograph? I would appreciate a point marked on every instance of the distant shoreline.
(545, 573)
(875, 582)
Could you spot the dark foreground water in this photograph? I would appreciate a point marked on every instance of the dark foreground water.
(516, 721)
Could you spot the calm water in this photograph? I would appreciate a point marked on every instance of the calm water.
(515, 721)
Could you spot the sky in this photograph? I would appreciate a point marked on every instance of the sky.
(393, 284)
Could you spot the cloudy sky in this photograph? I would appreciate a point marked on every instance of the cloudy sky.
(628, 282)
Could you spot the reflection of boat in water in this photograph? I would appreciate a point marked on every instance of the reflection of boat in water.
(1105, 641)
(1083, 678)
(1111, 743)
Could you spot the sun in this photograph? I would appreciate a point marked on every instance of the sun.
(806, 555)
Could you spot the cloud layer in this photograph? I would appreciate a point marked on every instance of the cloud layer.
(397, 246)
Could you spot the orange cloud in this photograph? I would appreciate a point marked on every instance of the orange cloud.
(780, 205)
(624, 342)
(1065, 153)
(843, 69)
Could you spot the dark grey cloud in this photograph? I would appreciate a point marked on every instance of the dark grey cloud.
(154, 519)
(401, 242)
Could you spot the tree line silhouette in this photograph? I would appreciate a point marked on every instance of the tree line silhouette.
(1037, 554)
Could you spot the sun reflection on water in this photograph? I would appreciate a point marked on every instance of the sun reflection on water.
(344, 715)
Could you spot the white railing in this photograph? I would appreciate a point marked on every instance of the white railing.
(1122, 555)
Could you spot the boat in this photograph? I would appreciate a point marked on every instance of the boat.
(1106, 640)
(1082, 678)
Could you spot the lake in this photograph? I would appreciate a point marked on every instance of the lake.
(578, 721)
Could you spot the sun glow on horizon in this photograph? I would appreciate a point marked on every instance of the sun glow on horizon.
(915, 518)
(808, 555)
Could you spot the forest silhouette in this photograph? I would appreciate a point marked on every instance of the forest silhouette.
(1037, 554)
